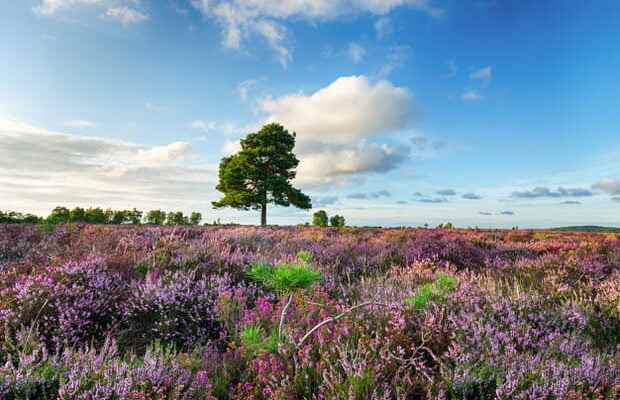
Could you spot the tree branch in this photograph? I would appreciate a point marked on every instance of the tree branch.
(336, 318)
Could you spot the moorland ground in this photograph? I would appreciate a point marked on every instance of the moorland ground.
(139, 312)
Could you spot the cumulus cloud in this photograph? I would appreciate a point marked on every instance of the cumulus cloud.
(364, 109)
(545, 192)
(123, 11)
(41, 169)
(471, 196)
(337, 164)
(356, 52)
(609, 185)
(446, 192)
(241, 19)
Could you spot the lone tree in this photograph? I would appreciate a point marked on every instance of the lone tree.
(261, 173)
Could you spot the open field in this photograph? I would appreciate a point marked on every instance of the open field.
(123, 312)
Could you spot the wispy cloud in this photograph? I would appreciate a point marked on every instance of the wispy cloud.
(123, 11)
(545, 192)
(79, 123)
(240, 20)
(372, 195)
(383, 27)
(483, 74)
(609, 185)
(471, 196)
(356, 52)
(452, 70)
(471, 95)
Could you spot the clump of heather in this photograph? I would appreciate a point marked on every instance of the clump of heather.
(126, 312)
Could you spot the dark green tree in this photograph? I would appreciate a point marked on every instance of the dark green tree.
(156, 217)
(261, 173)
(134, 216)
(195, 218)
(95, 215)
(337, 221)
(78, 214)
(59, 215)
(320, 218)
(176, 218)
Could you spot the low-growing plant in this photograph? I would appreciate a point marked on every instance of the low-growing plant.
(256, 341)
(433, 292)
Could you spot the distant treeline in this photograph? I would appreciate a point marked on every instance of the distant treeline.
(98, 215)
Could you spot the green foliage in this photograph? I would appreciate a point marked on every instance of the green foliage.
(156, 217)
(337, 221)
(13, 217)
(255, 341)
(284, 278)
(433, 292)
(304, 256)
(320, 218)
(195, 218)
(177, 218)
(261, 173)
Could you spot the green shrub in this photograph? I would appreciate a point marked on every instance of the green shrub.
(433, 292)
(255, 341)
(284, 277)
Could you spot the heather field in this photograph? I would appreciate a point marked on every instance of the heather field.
(126, 312)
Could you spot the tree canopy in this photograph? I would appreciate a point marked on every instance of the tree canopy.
(261, 173)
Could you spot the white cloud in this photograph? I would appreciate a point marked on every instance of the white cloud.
(483, 74)
(334, 124)
(125, 15)
(339, 164)
(201, 125)
(383, 27)
(275, 34)
(240, 19)
(79, 123)
(395, 59)
(229, 128)
(243, 88)
(41, 169)
(471, 95)
(609, 185)
(123, 11)
(50, 7)
(356, 52)
(172, 152)
(350, 108)
(231, 147)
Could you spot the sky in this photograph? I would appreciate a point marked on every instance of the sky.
(407, 112)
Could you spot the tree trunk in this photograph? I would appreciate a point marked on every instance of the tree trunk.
(263, 214)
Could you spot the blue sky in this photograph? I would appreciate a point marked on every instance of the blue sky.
(483, 113)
